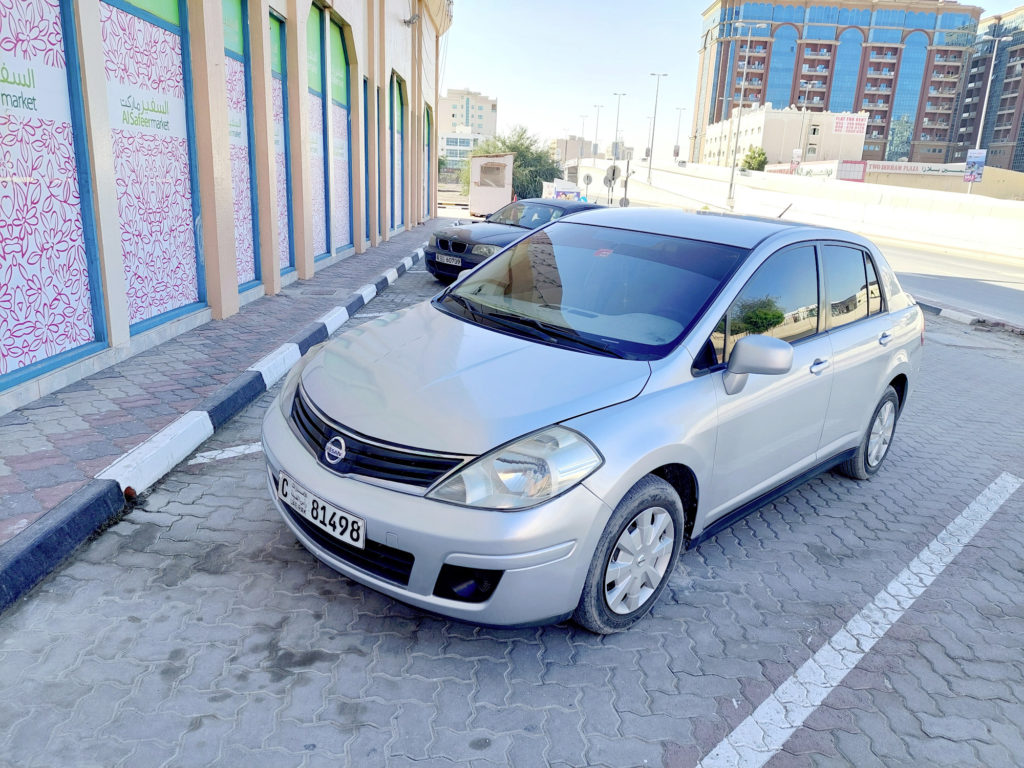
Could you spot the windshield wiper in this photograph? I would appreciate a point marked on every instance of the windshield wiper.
(465, 303)
(549, 331)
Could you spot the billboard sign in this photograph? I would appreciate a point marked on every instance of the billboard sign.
(975, 164)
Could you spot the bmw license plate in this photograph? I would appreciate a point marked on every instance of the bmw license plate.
(442, 258)
(343, 526)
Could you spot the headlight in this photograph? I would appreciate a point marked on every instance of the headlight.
(524, 473)
(485, 250)
(291, 381)
(432, 241)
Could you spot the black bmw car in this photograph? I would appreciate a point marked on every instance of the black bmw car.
(451, 250)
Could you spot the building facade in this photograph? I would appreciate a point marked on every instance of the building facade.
(997, 70)
(164, 161)
(468, 109)
(785, 135)
(901, 61)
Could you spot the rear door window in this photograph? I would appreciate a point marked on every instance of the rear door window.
(847, 285)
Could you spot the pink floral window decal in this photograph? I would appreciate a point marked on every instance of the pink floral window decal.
(146, 98)
(45, 298)
(316, 168)
(241, 185)
(281, 171)
(341, 231)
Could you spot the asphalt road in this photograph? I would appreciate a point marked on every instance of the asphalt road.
(991, 287)
(848, 623)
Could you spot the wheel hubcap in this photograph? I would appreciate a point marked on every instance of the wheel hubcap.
(881, 433)
(638, 561)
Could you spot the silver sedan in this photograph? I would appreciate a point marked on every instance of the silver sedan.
(543, 438)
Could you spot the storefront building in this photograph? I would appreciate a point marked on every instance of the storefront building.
(163, 162)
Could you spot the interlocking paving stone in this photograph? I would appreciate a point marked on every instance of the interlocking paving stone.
(199, 611)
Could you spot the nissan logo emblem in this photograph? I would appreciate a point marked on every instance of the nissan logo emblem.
(334, 451)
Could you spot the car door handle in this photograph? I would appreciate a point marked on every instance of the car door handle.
(885, 338)
(819, 365)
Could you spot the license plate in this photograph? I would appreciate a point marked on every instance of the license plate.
(341, 525)
(455, 261)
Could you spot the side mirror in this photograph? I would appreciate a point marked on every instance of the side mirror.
(756, 354)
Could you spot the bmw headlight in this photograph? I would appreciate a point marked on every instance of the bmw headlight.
(432, 241)
(291, 380)
(523, 473)
(485, 250)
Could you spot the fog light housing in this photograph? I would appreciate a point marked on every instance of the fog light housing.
(467, 585)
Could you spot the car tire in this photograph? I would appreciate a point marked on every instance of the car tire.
(874, 447)
(618, 591)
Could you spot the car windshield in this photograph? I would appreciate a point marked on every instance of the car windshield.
(607, 291)
(526, 215)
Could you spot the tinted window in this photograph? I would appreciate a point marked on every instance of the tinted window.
(633, 294)
(780, 300)
(845, 284)
(528, 215)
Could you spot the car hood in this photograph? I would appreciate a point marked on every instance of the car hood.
(483, 232)
(423, 379)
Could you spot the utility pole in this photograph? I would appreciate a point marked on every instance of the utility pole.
(654, 119)
(615, 145)
(597, 121)
(988, 87)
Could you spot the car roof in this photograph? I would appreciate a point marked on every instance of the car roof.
(567, 205)
(726, 229)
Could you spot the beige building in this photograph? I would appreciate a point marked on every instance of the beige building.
(469, 110)
(786, 135)
(189, 156)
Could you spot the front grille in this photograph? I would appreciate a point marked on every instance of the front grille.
(452, 246)
(378, 559)
(367, 457)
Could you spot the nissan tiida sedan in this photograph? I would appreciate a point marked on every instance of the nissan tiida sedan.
(544, 437)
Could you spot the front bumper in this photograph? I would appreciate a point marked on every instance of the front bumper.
(449, 271)
(544, 552)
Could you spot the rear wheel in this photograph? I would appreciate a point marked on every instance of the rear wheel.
(875, 446)
(634, 558)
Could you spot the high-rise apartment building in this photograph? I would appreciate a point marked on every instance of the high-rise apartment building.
(900, 61)
(997, 70)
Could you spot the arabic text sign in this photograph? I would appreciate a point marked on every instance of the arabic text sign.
(140, 110)
(33, 89)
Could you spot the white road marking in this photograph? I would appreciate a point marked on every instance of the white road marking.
(759, 738)
(147, 462)
(226, 453)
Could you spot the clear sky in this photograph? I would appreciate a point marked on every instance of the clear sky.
(548, 62)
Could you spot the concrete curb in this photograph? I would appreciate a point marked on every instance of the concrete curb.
(28, 557)
(966, 317)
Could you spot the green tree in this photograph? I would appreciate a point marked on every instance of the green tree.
(755, 159)
(442, 162)
(533, 162)
(756, 315)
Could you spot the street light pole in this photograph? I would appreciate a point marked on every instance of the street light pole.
(739, 114)
(805, 85)
(579, 149)
(679, 123)
(597, 122)
(618, 104)
(988, 87)
(654, 119)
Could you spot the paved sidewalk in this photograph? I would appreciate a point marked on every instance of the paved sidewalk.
(54, 446)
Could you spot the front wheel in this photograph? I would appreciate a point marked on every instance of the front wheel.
(875, 446)
(634, 558)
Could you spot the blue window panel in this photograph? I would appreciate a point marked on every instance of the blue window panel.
(905, 99)
(956, 21)
(819, 32)
(757, 12)
(885, 35)
(920, 20)
(780, 74)
(791, 13)
(888, 18)
(854, 17)
(847, 71)
(823, 15)
(729, 78)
